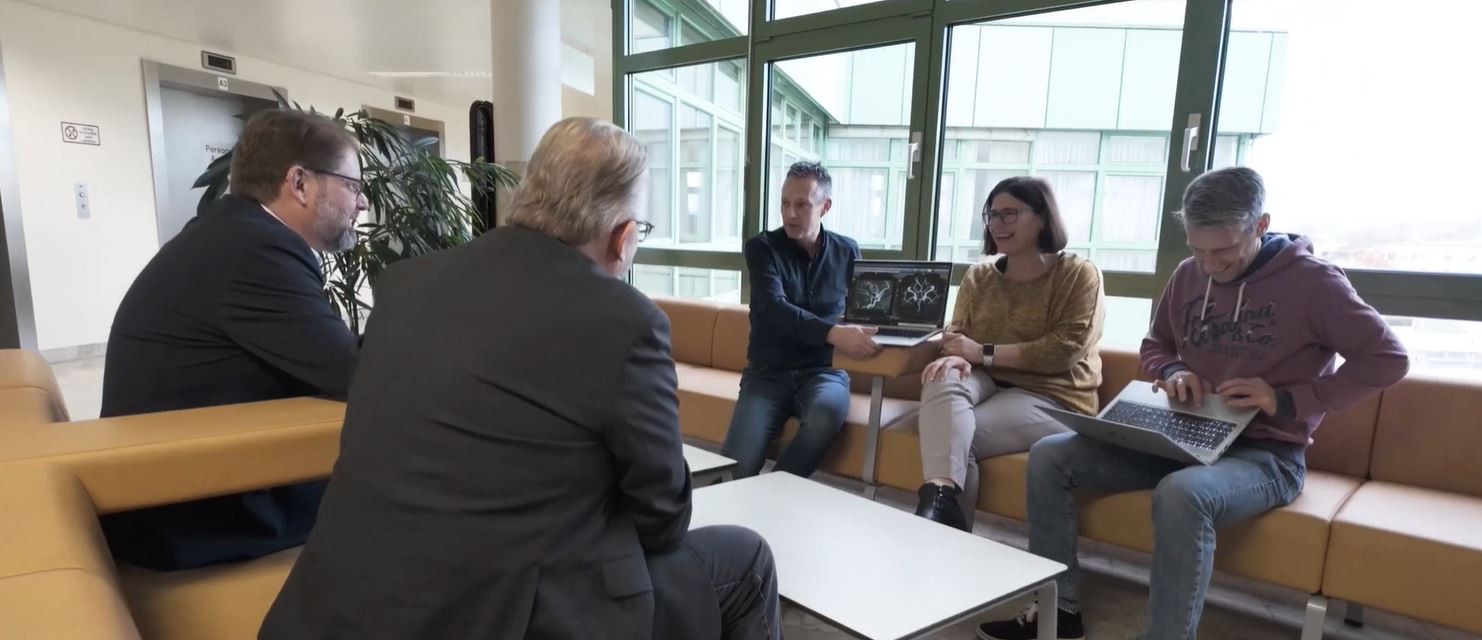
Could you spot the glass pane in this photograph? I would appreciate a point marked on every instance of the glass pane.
(1447, 348)
(653, 280)
(1080, 97)
(695, 149)
(853, 110)
(1076, 194)
(694, 157)
(652, 123)
(1150, 150)
(653, 24)
(1122, 202)
(730, 86)
(790, 8)
(1126, 322)
(1300, 100)
(728, 187)
(715, 285)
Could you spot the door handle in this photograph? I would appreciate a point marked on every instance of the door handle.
(1191, 141)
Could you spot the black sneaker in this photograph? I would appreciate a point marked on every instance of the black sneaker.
(1026, 626)
(938, 503)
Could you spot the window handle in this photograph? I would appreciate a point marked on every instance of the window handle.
(1191, 141)
(913, 153)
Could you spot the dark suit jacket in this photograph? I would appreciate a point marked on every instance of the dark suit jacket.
(510, 455)
(231, 310)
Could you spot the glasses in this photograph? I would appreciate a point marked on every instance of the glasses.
(1007, 216)
(644, 228)
(355, 185)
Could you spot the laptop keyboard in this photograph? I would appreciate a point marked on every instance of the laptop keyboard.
(1190, 430)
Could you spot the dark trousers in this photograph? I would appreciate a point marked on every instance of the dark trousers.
(819, 398)
(738, 566)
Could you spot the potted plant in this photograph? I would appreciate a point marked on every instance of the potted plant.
(416, 207)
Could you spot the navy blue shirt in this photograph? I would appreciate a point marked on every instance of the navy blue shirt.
(795, 299)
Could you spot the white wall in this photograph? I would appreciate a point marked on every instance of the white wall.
(63, 67)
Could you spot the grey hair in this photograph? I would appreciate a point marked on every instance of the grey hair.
(1230, 197)
(583, 180)
(814, 172)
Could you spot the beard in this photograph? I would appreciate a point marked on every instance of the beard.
(335, 227)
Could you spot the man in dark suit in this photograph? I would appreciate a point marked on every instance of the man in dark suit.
(510, 464)
(233, 310)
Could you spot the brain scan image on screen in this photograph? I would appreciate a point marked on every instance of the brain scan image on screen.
(921, 297)
(872, 296)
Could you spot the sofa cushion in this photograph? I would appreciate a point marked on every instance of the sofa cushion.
(224, 602)
(1409, 549)
(1427, 436)
(732, 333)
(691, 329)
(1285, 546)
(63, 604)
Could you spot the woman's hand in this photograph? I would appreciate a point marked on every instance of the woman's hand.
(956, 344)
(937, 371)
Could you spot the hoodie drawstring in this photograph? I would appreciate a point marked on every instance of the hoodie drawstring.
(1204, 306)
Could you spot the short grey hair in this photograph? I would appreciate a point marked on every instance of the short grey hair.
(1230, 197)
(815, 172)
(583, 180)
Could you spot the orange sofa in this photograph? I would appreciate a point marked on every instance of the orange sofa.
(1391, 516)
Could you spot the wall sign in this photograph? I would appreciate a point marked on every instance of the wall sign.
(76, 133)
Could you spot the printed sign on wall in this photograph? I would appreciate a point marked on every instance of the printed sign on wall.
(76, 133)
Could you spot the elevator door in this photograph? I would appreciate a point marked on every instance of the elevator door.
(198, 127)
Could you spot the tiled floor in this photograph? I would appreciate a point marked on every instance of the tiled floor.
(1114, 593)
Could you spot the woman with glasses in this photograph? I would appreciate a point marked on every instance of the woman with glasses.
(1023, 337)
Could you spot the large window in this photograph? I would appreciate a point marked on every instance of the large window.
(690, 118)
(1081, 98)
(1118, 105)
(693, 284)
(1342, 120)
(851, 111)
(661, 24)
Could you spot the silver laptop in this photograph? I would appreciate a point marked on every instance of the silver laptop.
(1148, 420)
(906, 301)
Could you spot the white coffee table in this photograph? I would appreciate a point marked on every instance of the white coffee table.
(707, 467)
(871, 570)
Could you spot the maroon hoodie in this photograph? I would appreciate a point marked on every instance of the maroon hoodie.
(1282, 321)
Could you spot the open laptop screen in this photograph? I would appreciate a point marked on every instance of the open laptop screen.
(898, 293)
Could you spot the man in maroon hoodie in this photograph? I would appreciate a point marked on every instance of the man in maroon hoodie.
(1256, 319)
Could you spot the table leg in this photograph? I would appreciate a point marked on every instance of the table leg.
(1049, 610)
(872, 437)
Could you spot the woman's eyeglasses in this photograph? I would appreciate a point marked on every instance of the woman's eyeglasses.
(1006, 216)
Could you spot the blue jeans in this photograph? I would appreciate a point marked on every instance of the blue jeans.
(1189, 503)
(818, 398)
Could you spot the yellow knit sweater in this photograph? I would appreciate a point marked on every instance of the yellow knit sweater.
(1055, 319)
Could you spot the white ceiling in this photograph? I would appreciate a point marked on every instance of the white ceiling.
(351, 38)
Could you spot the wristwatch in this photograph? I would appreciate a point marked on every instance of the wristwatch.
(987, 356)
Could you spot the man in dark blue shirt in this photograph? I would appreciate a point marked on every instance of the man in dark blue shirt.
(799, 277)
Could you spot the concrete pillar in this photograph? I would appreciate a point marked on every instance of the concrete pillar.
(526, 39)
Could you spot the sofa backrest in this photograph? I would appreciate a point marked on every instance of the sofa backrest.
(1428, 435)
(33, 394)
(691, 329)
(1344, 444)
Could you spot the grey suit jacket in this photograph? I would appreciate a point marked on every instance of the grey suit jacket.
(510, 456)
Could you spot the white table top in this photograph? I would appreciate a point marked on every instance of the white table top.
(702, 461)
(874, 570)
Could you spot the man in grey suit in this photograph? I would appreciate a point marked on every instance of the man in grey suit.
(510, 464)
